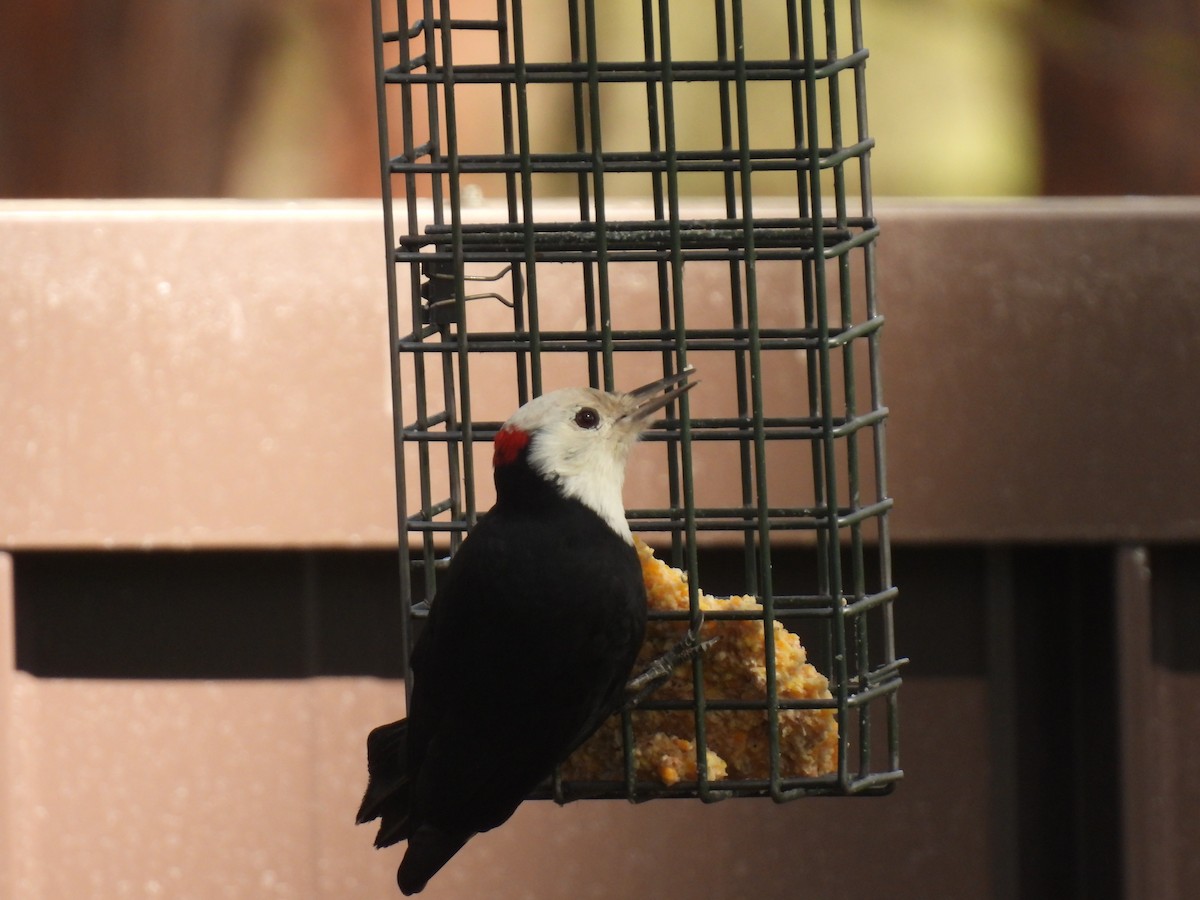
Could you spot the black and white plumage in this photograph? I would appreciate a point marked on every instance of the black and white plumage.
(531, 637)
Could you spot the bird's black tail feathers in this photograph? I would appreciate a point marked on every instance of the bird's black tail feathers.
(388, 795)
(429, 848)
(388, 798)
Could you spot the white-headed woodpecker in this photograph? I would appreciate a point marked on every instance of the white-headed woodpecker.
(531, 637)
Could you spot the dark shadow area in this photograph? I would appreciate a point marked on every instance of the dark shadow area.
(294, 614)
(206, 614)
(1175, 599)
(1066, 776)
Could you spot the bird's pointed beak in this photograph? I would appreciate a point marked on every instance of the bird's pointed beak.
(650, 398)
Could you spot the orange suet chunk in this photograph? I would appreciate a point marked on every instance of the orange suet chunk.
(738, 741)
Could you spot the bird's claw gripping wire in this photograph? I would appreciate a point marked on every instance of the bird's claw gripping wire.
(653, 676)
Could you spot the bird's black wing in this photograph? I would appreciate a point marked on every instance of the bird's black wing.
(531, 636)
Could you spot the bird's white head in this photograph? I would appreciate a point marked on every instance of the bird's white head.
(579, 440)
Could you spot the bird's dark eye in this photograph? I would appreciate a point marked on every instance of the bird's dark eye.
(587, 418)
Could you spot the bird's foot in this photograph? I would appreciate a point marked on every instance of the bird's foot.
(653, 676)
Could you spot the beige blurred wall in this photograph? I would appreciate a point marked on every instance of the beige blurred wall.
(178, 374)
(253, 98)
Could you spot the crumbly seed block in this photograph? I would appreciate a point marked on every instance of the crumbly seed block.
(734, 669)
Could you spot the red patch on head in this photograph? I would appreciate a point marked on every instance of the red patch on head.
(509, 443)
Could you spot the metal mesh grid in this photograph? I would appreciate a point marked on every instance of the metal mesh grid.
(547, 286)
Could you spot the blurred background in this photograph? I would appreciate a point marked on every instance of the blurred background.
(275, 98)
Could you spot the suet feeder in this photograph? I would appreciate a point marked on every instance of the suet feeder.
(578, 191)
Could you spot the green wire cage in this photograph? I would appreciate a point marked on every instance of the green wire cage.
(579, 191)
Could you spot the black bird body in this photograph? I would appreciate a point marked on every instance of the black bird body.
(529, 642)
(526, 651)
